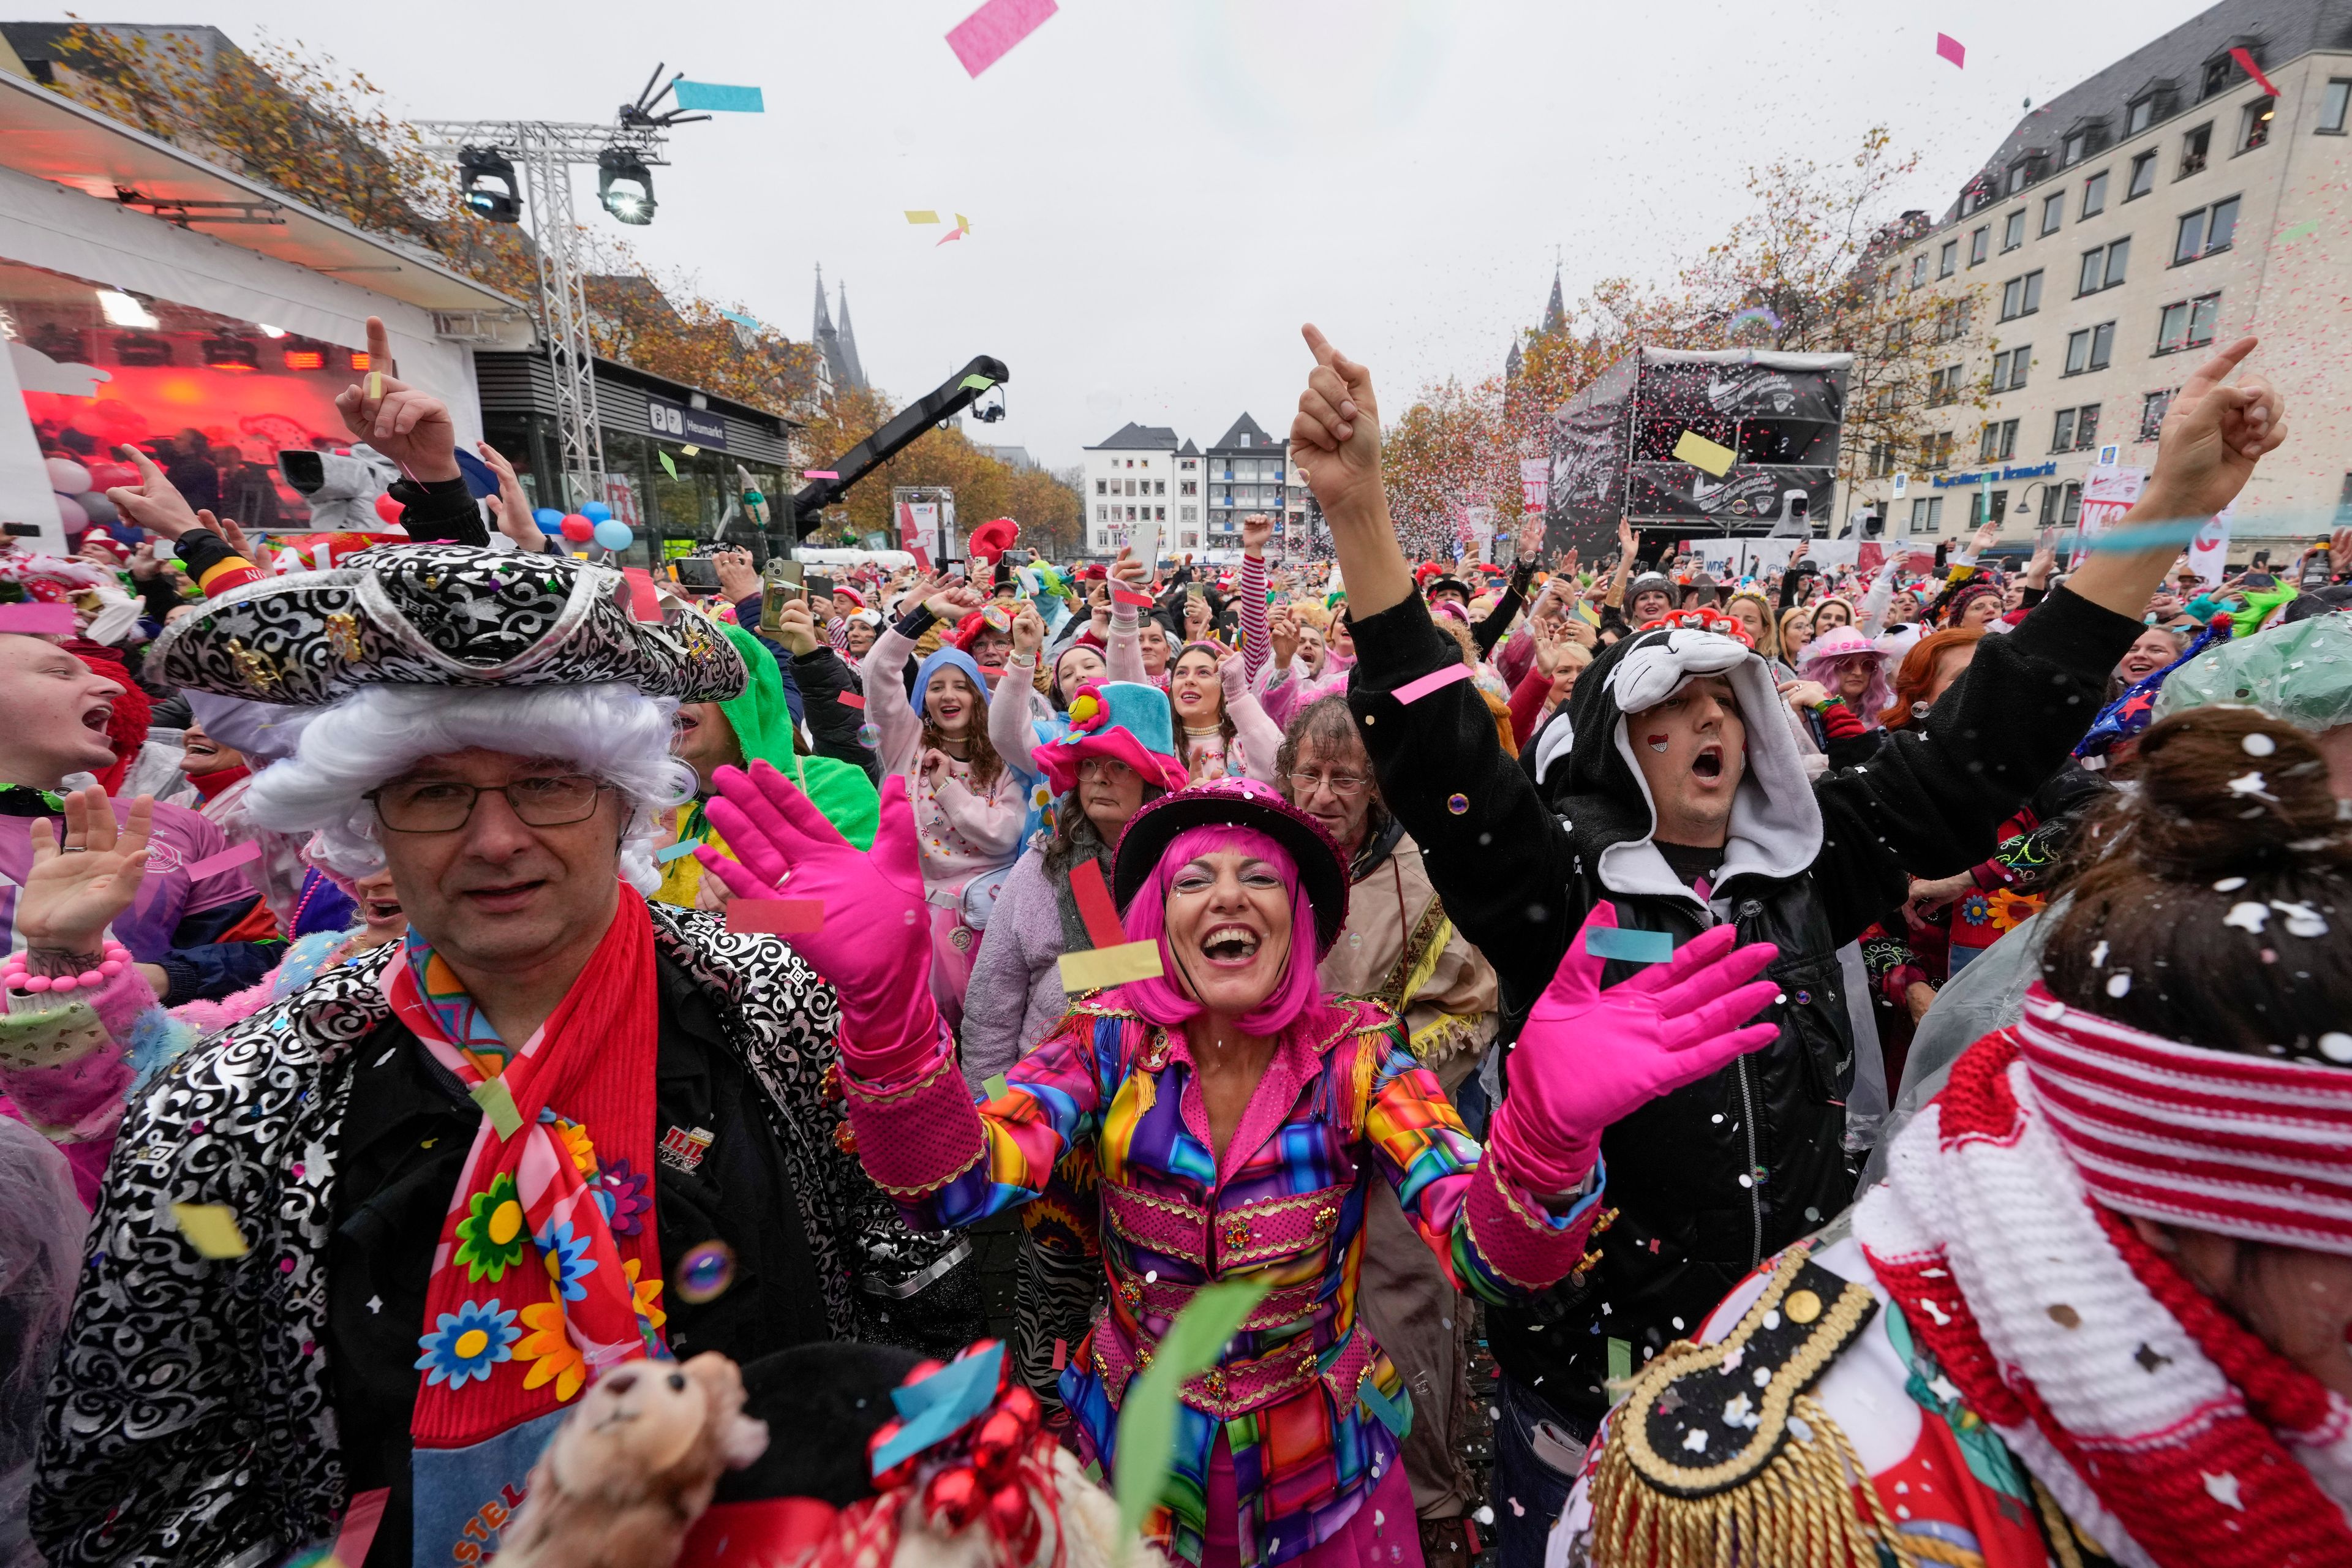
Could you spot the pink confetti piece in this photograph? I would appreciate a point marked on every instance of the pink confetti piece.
(819, 473)
(774, 917)
(1122, 595)
(228, 860)
(37, 620)
(981, 40)
(851, 700)
(1414, 690)
(1949, 47)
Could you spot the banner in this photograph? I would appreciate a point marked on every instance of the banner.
(1535, 485)
(918, 530)
(2209, 550)
(2108, 492)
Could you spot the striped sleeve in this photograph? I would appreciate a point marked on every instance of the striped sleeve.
(1257, 648)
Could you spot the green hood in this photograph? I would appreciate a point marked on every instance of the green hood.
(762, 722)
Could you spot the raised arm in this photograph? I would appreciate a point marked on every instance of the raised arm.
(1257, 528)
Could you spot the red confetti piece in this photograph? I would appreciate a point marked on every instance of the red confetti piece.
(851, 700)
(774, 917)
(1094, 906)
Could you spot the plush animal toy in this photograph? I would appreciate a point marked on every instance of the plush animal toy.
(633, 1466)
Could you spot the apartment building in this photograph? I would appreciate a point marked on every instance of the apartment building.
(2172, 202)
(1250, 471)
(1138, 475)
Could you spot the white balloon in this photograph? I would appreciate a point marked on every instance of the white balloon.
(67, 477)
(71, 513)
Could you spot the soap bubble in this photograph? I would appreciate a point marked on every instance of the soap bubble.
(705, 1272)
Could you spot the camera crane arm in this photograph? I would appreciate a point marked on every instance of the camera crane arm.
(951, 398)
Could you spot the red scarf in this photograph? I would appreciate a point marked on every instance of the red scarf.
(548, 1268)
(2155, 1418)
(210, 785)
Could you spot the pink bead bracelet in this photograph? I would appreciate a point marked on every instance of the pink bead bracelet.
(14, 977)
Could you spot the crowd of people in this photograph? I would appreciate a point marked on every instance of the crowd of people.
(1865, 1050)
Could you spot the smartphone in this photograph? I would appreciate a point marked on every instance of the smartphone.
(820, 587)
(696, 573)
(2261, 559)
(780, 584)
(2317, 568)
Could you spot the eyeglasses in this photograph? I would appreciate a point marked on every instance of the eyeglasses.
(1109, 768)
(1347, 786)
(444, 805)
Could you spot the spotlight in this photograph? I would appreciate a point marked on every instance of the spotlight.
(223, 352)
(361, 361)
(487, 184)
(624, 185)
(142, 351)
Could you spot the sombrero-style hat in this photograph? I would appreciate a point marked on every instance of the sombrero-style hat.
(1238, 802)
(440, 615)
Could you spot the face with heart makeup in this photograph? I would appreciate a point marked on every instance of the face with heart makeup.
(1693, 754)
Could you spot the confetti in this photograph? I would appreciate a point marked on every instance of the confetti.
(819, 474)
(1125, 596)
(668, 467)
(375, 386)
(704, 1273)
(2336, 1046)
(851, 700)
(1105, 966)
(37, 620)
(921, 215)
(1061, 1354)
(976, 381)
(1436, 680)
(2259, 744)
(2246, 63)
(2223, 1489)
(683, 848)
(997, 1087)
(774, 917)
(700, 95)
(226, 860)
(1701, 453)
(1633, 946)
(2119, 984)
(1146, 1416)
(496, 1101)
(2309, 225)
(1096, 910)
(983, 39)
(1949, 47)
(211, 1229)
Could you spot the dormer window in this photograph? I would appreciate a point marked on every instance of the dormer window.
(2140, 115)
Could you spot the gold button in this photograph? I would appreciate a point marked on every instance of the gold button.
(1802, 1307)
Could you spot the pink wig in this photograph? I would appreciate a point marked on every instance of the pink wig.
(1163, 1001)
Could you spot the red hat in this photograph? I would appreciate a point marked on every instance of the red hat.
(993, 538)
(843, 591)
(988, 617)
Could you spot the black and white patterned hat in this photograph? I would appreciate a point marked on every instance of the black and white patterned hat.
(440, 615)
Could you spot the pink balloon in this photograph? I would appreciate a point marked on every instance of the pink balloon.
(69, 510)
(388, 509)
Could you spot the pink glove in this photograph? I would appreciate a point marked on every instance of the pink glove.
(875, 947)
(1588, 1057)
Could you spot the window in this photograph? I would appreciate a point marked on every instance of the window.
(1188, 487)
(2217, 75)
(2075, 147)
(1101, 488)
(2020, 295)
(1883, 458)
(2332, 105)
(2076, 430)
(1979, 242)
(2094, 195)
(1926, 514)
(2193, 148)
(1160, 514)
(2009, 368)
(2140, 115)
(1948, 260)
(2021, 176)
(2151, 413)
(2254, 124)
(2012, 230)
(2062, 505)
(2053, 212)
(1188, 514)
(2205, 231)
(1977, 506)
(1160, 486)
(1102, 515)
(1935, 452)
(2187, 323)
(1919, 269)
(2090, 349)
(2142, 177)
(1998, 444)
(2104, 267)
(1944, 386)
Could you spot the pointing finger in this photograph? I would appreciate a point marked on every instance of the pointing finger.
(1317, 344)
(2215, 371)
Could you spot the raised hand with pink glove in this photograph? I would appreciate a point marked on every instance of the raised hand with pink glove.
(874, 947)
(1588, 1058)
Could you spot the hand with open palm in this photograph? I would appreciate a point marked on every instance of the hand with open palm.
(76, 889)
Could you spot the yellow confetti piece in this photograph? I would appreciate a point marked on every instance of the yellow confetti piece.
(375, 386)
(668, 467)
(921, 215)
(211, 1229)
(963, 223)
(1701, 453)
(1110, 966)
(496, 1101)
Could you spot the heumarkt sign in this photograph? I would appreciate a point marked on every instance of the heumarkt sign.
(2035, 471)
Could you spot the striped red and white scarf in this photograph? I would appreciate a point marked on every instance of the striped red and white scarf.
(2158, 1422)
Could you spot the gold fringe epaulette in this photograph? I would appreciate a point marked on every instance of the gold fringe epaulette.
(1719, 1456)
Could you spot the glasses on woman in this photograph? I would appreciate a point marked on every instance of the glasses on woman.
(1347, 786)
(1109, 770)
(444, 805)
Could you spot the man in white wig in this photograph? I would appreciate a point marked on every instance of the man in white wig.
(357, 1256)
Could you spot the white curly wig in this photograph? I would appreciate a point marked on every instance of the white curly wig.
(611, 729)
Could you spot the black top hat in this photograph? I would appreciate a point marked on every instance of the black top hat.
(440, 615)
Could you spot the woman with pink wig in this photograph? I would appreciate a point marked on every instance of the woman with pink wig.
(1231, 1119)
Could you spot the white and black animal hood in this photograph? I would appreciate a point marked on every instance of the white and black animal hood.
(1605, 804)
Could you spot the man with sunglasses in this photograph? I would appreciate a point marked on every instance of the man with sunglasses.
(364, 1250)
(1399, 946)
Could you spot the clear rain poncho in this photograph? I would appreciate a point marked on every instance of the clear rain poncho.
(42, 1229)
(2300, 674)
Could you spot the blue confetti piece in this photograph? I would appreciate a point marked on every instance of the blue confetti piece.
(712, 95)
(1633, 946)
(941, 1403)
(2152, 536)
(679, 850)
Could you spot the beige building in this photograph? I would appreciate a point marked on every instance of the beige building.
(2167, 203)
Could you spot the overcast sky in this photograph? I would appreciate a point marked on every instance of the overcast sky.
(1161, 191)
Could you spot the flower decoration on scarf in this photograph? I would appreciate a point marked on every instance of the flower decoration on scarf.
(567, 1259)
(551, 1354)
(583, 1153)
(621, 1194)
(1088, 711)
(468, 1344)
(490, 1238)
(1976, 910)
(647, 1296)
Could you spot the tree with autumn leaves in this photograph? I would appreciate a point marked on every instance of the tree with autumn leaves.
(1814, 252)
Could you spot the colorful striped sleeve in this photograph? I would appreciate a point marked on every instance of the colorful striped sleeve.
(1257, 646)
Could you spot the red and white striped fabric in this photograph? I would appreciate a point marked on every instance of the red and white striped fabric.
(2160, 1425)
(2248, 1146)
